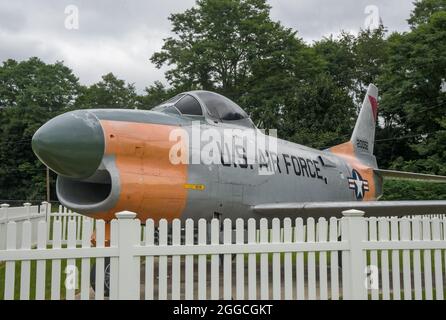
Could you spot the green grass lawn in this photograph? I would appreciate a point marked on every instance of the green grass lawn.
(48, 276)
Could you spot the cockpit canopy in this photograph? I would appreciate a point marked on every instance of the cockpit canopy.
(206, 104)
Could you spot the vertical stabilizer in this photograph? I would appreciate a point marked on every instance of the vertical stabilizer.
(363, 137)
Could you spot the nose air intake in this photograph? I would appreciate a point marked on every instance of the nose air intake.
(71, 144)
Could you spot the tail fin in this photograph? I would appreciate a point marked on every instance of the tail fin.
(363, 137)
(362, 142)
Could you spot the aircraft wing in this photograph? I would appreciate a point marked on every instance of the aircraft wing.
(371, 208)
(401, 175)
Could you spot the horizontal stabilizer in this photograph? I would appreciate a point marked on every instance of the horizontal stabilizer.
(371, 208)
(400, 175)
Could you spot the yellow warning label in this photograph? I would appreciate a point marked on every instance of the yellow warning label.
(199, 187)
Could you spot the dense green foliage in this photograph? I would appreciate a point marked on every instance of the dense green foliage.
(413, 190)
(31, 92)
(310, 93)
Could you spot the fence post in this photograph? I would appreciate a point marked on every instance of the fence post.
(354, 229)
(4, 210)
(45, 205)
(3, 224)
(128, 268)
(27, 206)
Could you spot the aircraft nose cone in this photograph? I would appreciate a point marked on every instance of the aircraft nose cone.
(71, 144)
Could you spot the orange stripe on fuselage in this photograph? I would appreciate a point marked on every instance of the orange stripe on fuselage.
(151, 185)
(347, 152)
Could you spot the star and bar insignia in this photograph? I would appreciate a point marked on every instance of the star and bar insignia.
(358, 184)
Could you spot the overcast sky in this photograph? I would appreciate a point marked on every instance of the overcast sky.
(119, 36)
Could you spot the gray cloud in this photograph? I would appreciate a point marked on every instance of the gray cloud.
(11, 20)
(318, 18)
(119, 36)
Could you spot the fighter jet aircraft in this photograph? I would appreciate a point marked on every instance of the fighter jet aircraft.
(108, 160)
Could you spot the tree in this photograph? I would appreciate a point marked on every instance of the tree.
(339, 59)
(31, 92)
(371, 54)
(32, 83)
(413, 190)
(110, 92)
(322, 114)
(155, 94)
(355, 61)
(233, 47)
(413, 104)
(216, 42)
(286, 64)
(424, 10)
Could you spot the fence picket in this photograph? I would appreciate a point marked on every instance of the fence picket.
(264, 270)
(383, 233)
(79, 227)
(394, 231)
(299, 236)
(56, 263)
(71, 280)
(384, 236)
(162, 261)
(202, 233)
(334, 263)
(416, 236)
(373, 236)
(11, 242)
(240, 261)
(437, 260)
(40, 269)
(114, 261)
(189, 260)
(405, 236)
(45, 209)
(252, 270)
(227, 261)
(288, 262)
(276, 260)
(148, 290)
(85, 262)
(215, 280)
(311, 263)
(176, 260)
(64, 223)
(26, 264)
(322, 237)
(345, 262)
(427, 262)
(444, 238)
(99, 271)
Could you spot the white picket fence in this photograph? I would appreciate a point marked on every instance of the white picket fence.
(283, 260)
(64, 215)
(19, 215)
(36, 213)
